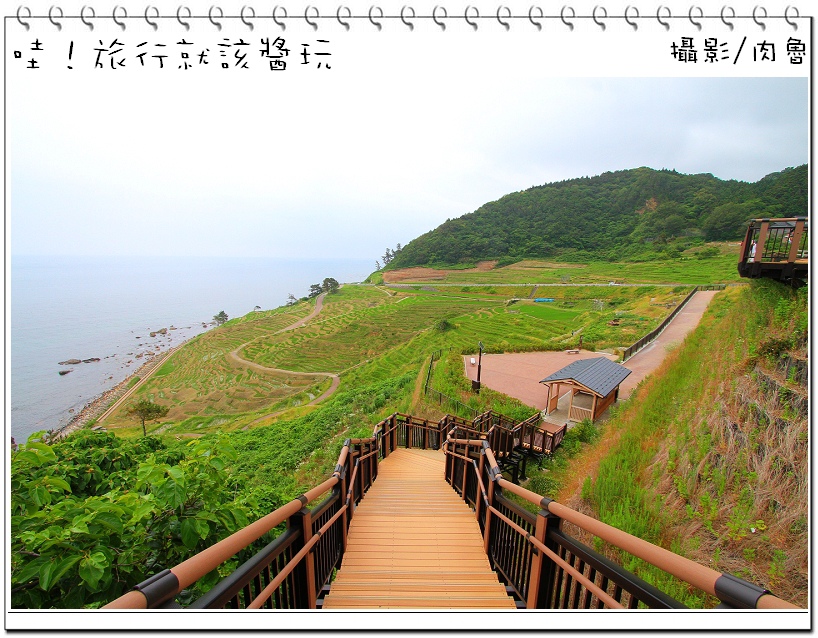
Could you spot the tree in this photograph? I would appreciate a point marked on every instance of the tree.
(220, 318)
(315, 290)
(387, 256)
(147, 410)
(291, 299)
(729, 221)
(377, 265)
(257, 308)
(330, 285)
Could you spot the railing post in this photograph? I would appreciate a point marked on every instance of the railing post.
(393, 443)
(345, 517)
(374, 459)
(543, 569)
(494, 472)
(305, 594)
(465, 473)
(478, 499)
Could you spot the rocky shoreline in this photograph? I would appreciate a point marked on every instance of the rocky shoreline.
(99, 404)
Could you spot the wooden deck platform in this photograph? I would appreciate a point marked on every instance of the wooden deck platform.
(414, 543)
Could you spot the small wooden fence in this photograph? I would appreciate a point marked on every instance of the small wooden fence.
(443, 399)
(544, 567)
(636, 347)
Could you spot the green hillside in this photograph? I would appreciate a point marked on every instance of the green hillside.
(633, 214)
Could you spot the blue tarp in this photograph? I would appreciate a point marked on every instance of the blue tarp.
(542, 299)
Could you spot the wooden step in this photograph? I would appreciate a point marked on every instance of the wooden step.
(419, 577)
(413, 543)
(333, 601)
(437, 588)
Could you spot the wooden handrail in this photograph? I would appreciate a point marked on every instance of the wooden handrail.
(700, 576)
(194, 568)
(593, 587)
(685, 569)
(259, 600)
(189, 571)
(543, 542)
(473, 442)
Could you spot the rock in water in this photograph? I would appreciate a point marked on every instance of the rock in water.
(64, 372)
(69, 362)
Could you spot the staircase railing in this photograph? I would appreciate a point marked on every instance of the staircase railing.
(289, 572)
(546, 568)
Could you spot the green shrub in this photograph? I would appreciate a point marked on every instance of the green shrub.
(89, 523)
(586, 431)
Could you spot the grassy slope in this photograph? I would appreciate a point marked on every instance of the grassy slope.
(720, 457)
(690, 268)
(367, 335)
(199, 380)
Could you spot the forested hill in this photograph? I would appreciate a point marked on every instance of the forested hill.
(631, 214)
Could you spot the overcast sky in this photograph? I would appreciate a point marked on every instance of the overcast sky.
(354, 160)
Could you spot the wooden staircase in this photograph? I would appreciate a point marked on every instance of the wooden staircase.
(414, 543)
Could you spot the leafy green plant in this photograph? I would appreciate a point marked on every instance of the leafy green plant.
(81, 535)
(585, 431)
(587, 488)
(777, 569)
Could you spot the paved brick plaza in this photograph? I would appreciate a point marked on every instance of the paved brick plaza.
(519, 374)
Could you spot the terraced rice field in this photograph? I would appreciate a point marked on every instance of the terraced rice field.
(368, 334)
(687, 269)
(199, 379)
(378, 323)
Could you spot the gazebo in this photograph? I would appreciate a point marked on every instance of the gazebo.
(594, 386)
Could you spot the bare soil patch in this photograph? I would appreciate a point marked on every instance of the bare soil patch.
(413, 274)
(421, 274)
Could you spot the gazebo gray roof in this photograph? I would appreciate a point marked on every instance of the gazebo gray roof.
(599, 375)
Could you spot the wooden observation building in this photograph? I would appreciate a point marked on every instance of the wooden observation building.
(594, 385)
(777, 249)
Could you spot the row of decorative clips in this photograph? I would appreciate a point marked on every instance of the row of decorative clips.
(407, 15)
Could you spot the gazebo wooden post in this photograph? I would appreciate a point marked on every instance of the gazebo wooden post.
(593, 408)
(548, 399)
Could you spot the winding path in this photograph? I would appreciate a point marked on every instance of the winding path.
(233, 356)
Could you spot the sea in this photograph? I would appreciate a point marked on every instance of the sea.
(83, 307)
